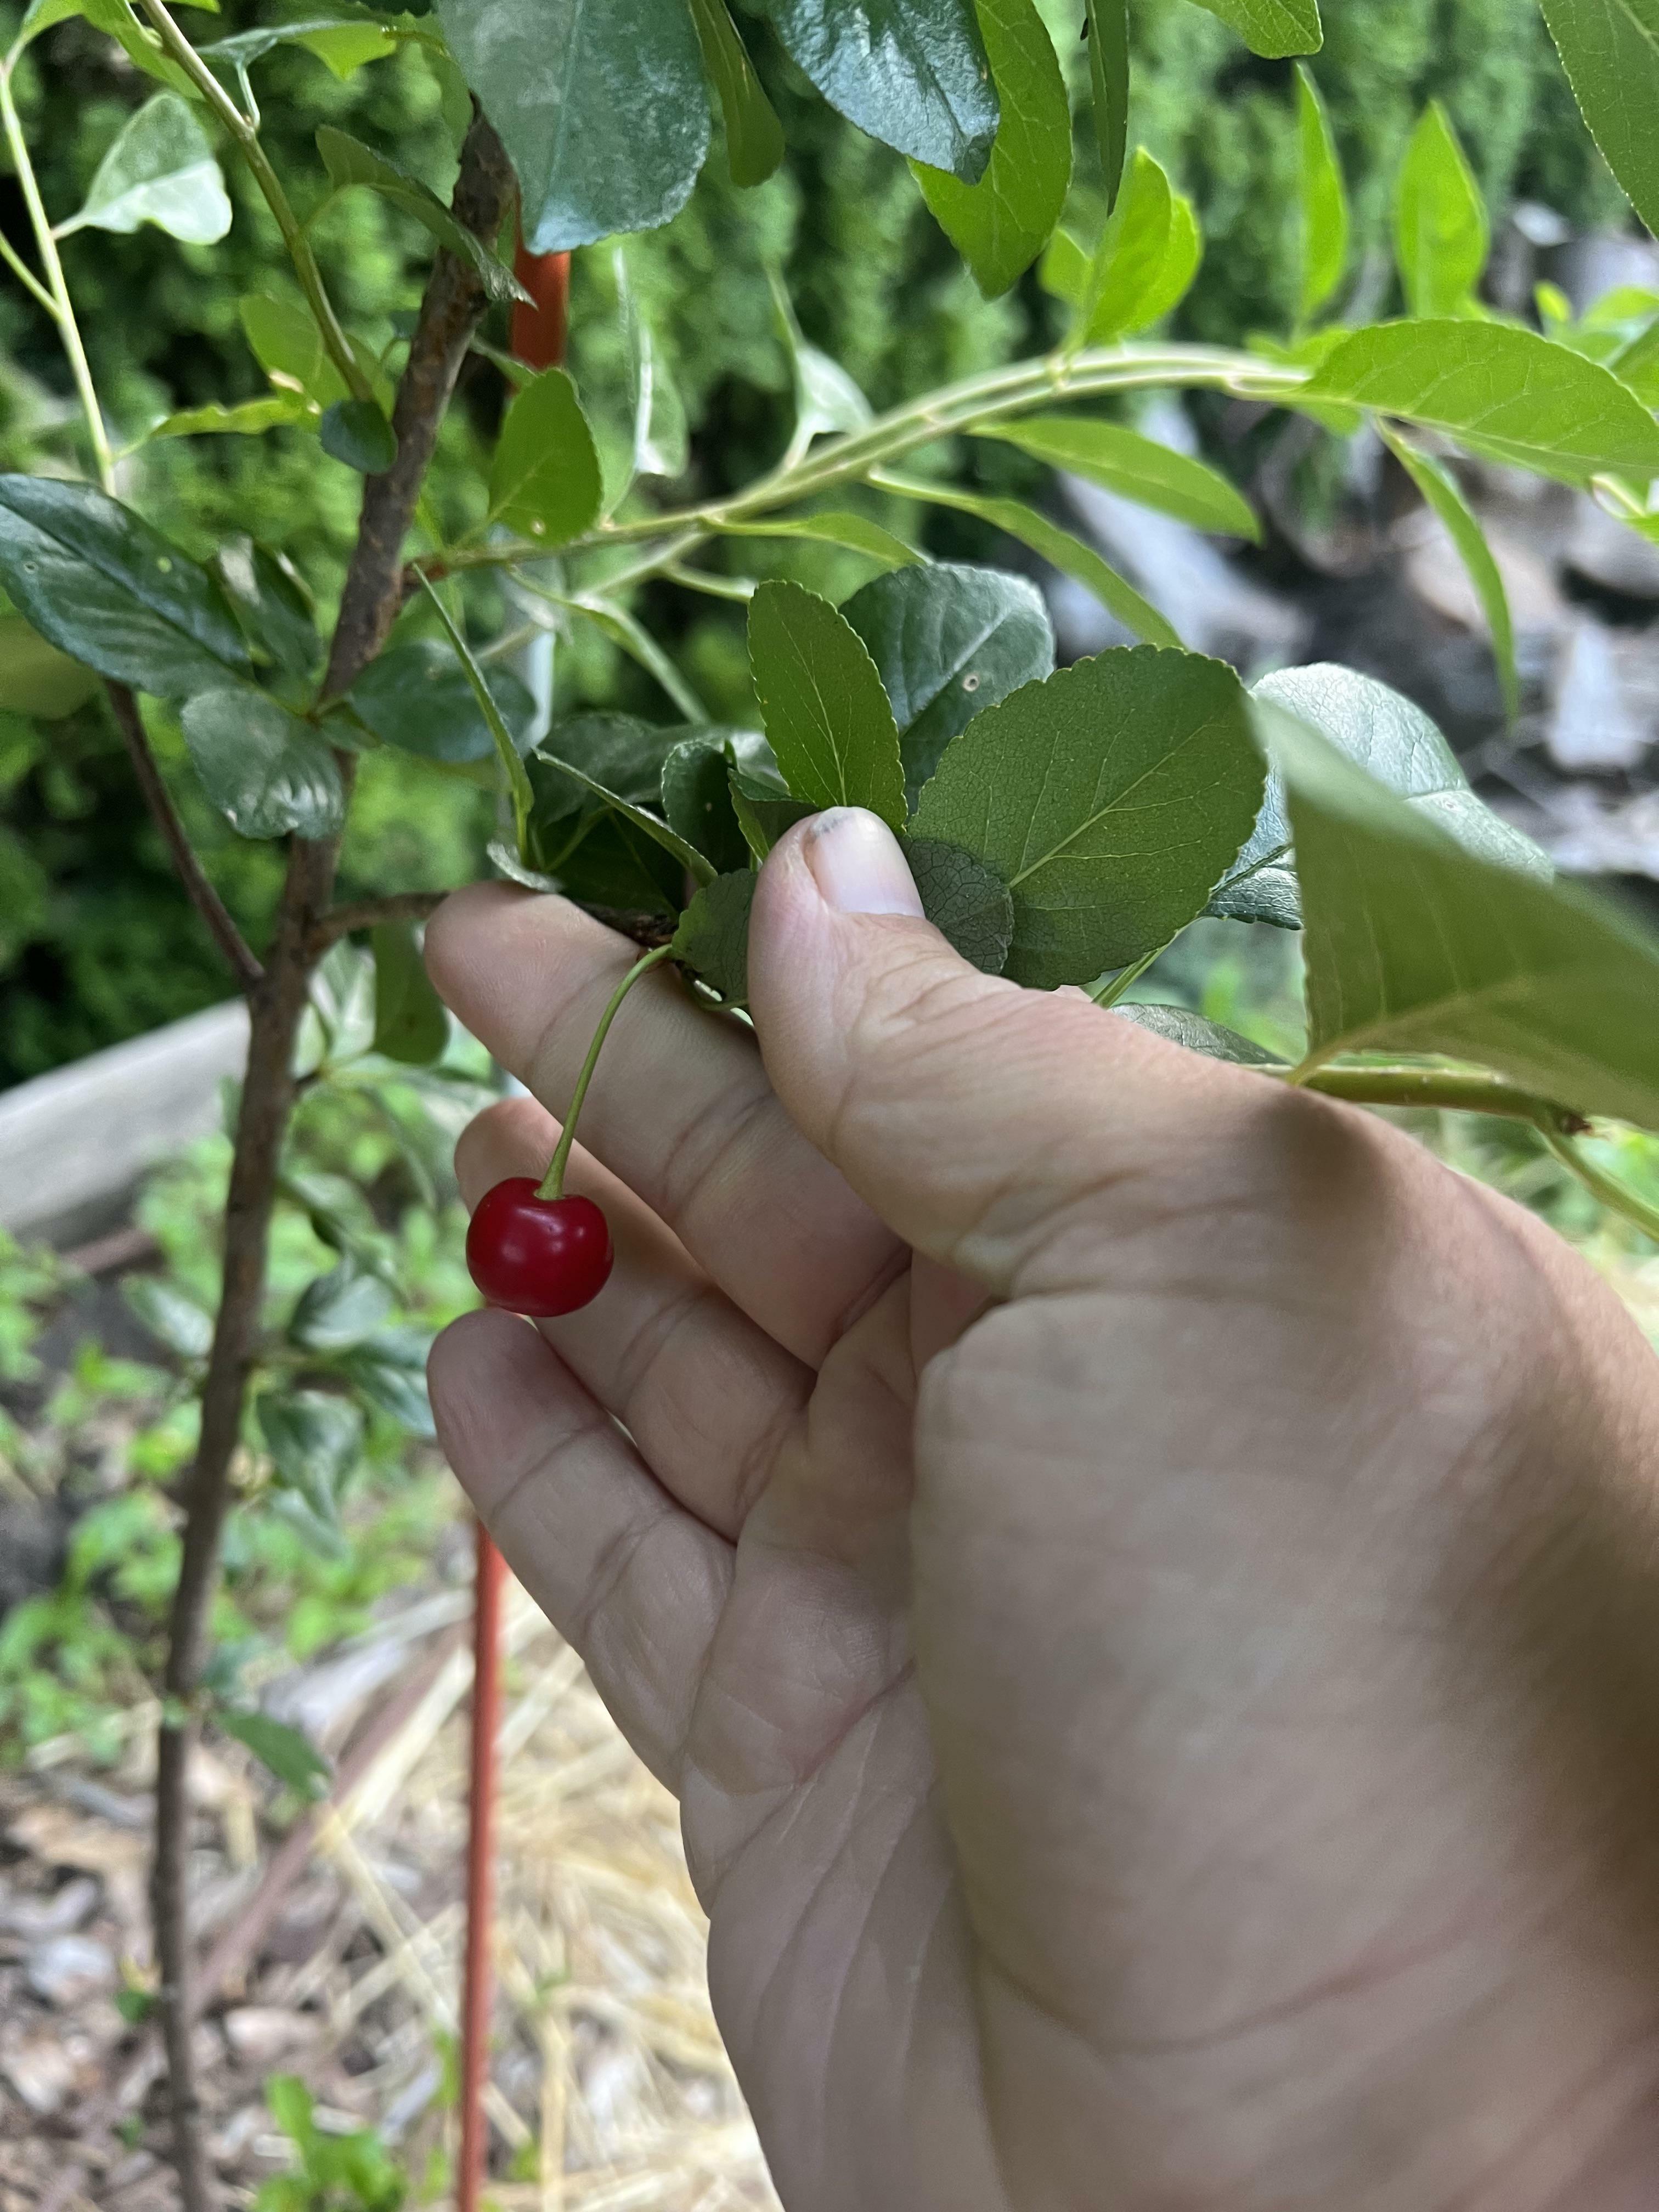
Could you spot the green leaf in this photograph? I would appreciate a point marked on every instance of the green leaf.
(1127, 262)
(507, 752)
(356, 431)
(160, 170)
(270, 601)
(409, 1022)
(544, 481)
(1502, 392)
(765, 807)
(912, 73)
(251, 418)
(1134, 467)
(948, 642)
(620, 751)
(340, 1309)
(856, 533)
(713, 938)
(1110, 798)
(827, 400)
(1414, 946)
(290, 2107)
(754, 137)
(1000, 224)
(602, 109)
(1322, 200)
(1610, 50)
(1394, 740)
(1261, 886)
(288, 1754)
(107, 590)
(348, 162)
(266, 771)
(344, 41)
(661, 445)
(389, 1370)
(1178, 1026)
(1273, 29)
(417, 697)
(1441, 489)
(36, 677)
(696, 793)
(967, 901)
(171, 1317)
(1182, 259)
(826, 717)
(1440, 228)
(1107, 24)
(313, 1439)
(1056, 546)
(635, 815)
(616, 864)
(288, 346)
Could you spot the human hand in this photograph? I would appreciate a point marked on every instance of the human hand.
(1182, 1732)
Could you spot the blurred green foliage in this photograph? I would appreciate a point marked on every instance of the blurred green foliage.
(96, 942)
(110, 1435)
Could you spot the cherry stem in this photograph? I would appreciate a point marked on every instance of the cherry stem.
(552, 1183)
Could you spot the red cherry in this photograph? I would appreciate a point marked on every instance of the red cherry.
(538, 1255)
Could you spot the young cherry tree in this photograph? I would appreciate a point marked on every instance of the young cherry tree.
(1064, 826)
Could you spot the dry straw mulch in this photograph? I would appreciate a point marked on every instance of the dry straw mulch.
(611, 2090)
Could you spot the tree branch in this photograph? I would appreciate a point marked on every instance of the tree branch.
(452, 308)
(353, 914)
(202, 896)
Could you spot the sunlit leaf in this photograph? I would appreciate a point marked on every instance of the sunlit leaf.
(161, 170)
(1415, 945)
(1133, 466)
(1440, 231)
(1322, 200)
(1444, 494)
(544, 481)
(1000, 224)
(1502, 392)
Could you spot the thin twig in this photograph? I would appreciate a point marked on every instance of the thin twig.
(69, 331)
(246, 133)
(451, 308)
(347, 918)
(202, 896)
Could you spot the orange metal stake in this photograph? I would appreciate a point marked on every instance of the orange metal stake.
(538, 335)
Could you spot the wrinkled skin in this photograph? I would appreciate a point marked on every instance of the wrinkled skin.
(1143, 1582)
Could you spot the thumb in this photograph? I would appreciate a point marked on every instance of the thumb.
(973, 1115)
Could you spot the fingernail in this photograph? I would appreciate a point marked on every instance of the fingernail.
(857, 865)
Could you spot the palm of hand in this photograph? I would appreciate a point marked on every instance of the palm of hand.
(743, 1604)
(1205, 1820)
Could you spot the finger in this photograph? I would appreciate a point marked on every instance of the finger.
(971, 1114)
(681, 1110)
(706, 1396)
(633, 1582)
